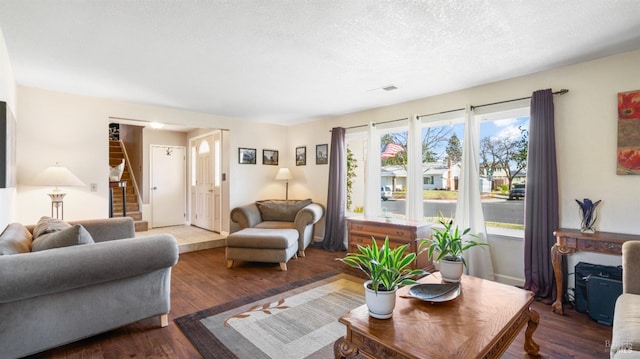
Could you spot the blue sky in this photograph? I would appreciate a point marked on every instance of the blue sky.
(500, 128)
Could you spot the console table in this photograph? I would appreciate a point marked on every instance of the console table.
(570, 240)
(400, 231)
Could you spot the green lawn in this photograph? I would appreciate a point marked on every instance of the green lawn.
(430, 194)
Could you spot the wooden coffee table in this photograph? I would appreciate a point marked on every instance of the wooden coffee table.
(481, 323)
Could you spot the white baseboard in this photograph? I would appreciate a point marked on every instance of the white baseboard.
(146, 214)
(505, 279)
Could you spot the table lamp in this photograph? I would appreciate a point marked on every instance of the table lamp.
(284, 174)
(57, 176)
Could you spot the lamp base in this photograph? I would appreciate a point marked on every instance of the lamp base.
(57, 204)
(57, 196)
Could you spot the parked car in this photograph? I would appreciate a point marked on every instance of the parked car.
(385, 193)
(517, 191)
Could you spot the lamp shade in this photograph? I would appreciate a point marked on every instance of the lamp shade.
(56, 176)
(283, 174)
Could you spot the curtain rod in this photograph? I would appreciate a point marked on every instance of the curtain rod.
(561, 92)
(440, 113)
(398, 120)
(347, 128)
(376, 123)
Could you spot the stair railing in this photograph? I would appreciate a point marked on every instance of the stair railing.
(133, 177)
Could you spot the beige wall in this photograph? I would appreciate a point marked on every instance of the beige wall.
(7, 78)
(72, 130)
(8, 95)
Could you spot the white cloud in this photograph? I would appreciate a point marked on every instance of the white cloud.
(505, 122)
(511, 127)
(509, 132)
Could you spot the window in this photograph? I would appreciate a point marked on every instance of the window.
(441, 163)
(193, 165)
(503, 169)
(356, 159)
(204, 147)
(502, 164)
(216, 162)
(393, 171)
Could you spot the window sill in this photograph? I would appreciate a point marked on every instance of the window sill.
(515, 234)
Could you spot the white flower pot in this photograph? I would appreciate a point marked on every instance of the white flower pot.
(380, 304)
(451, 271)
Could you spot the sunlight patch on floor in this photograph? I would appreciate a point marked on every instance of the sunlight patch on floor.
(189, 238)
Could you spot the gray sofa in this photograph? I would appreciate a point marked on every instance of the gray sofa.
(56, 296)
(301, 215)
(625, 343)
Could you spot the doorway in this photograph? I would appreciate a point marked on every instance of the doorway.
(168, 185)
(206, 182)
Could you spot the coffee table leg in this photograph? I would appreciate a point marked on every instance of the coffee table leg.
(530, 346)
(343, 349)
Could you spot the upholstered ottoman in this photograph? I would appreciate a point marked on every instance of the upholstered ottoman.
(275, 245)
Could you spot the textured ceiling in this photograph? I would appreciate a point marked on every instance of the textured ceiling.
(292, 61)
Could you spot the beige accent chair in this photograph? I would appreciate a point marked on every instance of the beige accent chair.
(300, 215)
(625, 343)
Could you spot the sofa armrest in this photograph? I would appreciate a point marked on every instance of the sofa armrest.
(56, 270)
(631, 267)
(310, 214)
(246, 216)
(304, 221)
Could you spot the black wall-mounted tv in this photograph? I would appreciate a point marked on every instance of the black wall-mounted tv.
(7, 147)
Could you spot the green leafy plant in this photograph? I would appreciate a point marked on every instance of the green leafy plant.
(352, 164)
(448, 242)
(387, 268)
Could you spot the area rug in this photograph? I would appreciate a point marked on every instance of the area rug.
(296, 320)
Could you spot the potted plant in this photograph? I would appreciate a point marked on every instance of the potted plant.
(446, 246)
(387, 269)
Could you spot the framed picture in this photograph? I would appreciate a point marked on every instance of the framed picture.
(628, 133)
(246, 156)
(301, 156)
(270, 157)
(322, 154)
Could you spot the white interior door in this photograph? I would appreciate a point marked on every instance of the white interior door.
(168, 185)
(202, 183)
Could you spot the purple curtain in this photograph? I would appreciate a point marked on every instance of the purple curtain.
(541, 198)
(334, 235)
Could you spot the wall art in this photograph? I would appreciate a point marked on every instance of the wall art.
(301, 156)
(270, 157)
(246, 156)
(322, 154)
(628, 133)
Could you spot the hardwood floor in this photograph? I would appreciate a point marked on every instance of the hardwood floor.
(201, 280)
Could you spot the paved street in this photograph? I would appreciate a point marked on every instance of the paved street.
(495, 210)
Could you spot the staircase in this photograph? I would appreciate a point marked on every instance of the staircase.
(116, 155)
